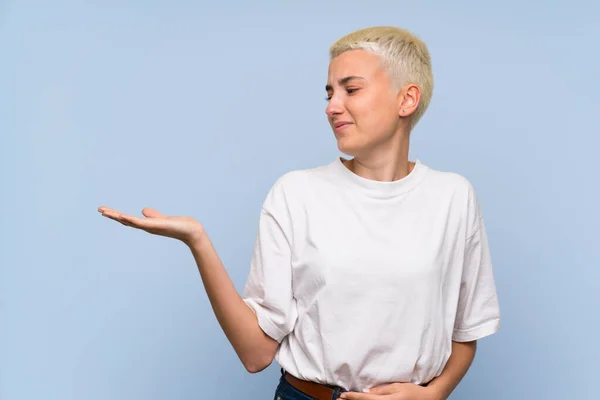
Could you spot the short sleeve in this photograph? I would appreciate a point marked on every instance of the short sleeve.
(478, 313)
(268, 290)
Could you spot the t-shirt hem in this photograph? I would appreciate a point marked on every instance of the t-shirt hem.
(478, 332)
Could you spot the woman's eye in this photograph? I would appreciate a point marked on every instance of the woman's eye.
(349, 91)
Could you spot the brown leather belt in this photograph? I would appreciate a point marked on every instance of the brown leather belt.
(312, 389)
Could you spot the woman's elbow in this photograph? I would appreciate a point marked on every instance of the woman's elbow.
(257, 366)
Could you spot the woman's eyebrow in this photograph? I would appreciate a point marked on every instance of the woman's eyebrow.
(345, 80)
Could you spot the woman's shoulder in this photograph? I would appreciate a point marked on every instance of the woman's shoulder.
(292, 186)
(297, 179)
(459, 190)
(448, 180)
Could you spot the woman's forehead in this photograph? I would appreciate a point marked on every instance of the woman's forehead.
(355, 63)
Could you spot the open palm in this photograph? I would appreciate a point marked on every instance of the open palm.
(185, 229)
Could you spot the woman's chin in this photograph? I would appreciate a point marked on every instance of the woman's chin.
(347, 147)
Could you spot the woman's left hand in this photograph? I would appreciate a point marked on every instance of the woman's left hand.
(394, 391)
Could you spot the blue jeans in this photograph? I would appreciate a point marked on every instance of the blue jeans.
(285, 391)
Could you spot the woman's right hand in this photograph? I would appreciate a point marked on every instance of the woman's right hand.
(186, 229)
(253, 346)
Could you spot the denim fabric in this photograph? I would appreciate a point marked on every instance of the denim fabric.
(285, 391)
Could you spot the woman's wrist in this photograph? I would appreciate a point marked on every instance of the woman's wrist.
(197, 239)
(435, 393)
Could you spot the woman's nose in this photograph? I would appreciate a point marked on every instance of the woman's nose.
(334, 106)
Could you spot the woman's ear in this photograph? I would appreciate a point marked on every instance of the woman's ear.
(408, 100)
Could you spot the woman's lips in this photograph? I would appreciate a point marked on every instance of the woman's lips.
(340, 126)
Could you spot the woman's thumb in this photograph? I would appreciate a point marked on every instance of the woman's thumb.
(385, 389)
(152, 213)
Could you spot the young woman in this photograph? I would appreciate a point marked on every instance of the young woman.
(371, 276)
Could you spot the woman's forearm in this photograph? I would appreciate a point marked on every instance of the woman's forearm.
(456, 368)
(239, 323)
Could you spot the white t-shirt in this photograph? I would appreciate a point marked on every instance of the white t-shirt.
(364, 282)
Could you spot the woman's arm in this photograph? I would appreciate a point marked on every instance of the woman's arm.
(255, 349)
(456, 368)
(438, 389)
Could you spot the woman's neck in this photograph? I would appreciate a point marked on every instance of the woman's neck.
(386, 164)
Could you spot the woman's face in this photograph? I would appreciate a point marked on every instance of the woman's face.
(362, 108)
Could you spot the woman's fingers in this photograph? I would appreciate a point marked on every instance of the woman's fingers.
(109, 212)
(134, 222)
(147, 212)
(149, 225)
(386, 389)
(154, 222)
(103, 209)
(117, 216)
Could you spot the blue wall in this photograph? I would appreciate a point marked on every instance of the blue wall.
(195, 109)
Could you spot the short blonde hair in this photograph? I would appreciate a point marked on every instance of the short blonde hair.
(404, 56)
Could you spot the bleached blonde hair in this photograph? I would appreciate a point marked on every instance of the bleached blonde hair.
(405, 58)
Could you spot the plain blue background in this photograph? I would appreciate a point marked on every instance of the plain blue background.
(196, 108)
